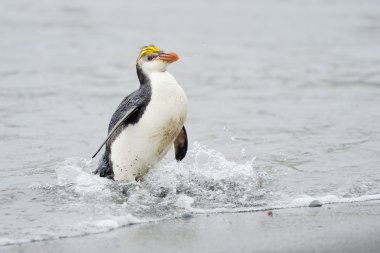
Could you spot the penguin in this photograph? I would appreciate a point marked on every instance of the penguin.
(147, 122)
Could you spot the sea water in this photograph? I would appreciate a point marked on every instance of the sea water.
(283, 96)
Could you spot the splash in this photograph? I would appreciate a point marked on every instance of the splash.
(206, 180)
(80, 203)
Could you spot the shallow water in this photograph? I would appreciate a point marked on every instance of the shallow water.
(283, 108)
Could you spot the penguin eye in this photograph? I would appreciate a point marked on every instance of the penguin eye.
(150, 57)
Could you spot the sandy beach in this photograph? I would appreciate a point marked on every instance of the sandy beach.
(352, 227)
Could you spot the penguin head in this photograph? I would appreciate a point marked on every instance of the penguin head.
(153, 59)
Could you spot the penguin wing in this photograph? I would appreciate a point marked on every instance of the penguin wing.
(180, 145)
(127, 114)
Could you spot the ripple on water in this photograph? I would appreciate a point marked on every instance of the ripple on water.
(81, 203)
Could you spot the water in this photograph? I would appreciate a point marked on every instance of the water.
(283, 108)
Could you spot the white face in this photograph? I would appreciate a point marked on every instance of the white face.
(152, 63)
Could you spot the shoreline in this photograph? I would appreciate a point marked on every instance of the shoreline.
(348, 227)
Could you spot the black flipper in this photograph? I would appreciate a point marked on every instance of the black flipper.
(180, 145)
(126, 116)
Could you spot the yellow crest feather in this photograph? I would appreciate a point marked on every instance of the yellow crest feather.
(148, 50)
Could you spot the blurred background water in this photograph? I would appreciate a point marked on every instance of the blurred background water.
(283, 108)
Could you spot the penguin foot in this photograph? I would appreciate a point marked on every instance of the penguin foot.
(104, 172)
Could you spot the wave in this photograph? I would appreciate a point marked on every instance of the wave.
(80, 203)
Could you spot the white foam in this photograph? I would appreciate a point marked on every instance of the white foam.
(206, 182)
(111, 222)
(184, 202)
(77, 172)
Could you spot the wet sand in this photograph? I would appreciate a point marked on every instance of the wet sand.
(352, 227)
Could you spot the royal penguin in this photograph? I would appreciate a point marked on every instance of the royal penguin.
(147, 122)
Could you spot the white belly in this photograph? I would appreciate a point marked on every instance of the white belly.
(140, 146)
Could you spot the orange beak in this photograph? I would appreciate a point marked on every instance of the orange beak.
(169, 57)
